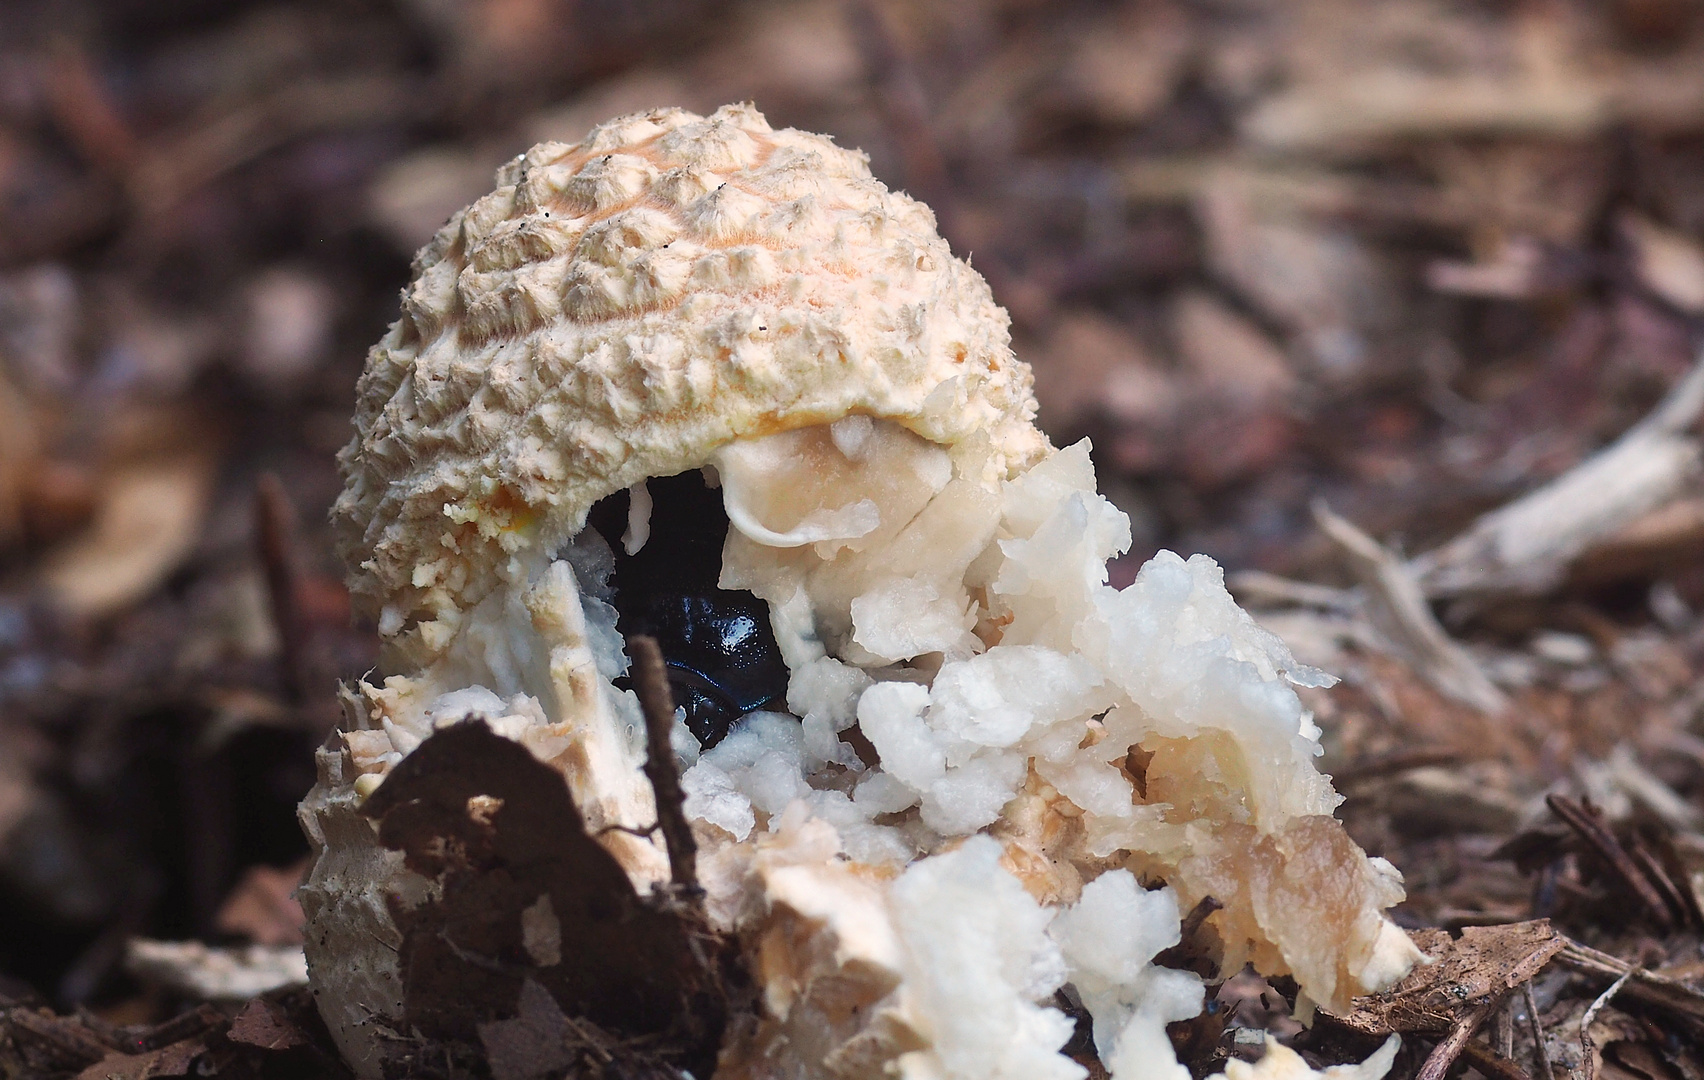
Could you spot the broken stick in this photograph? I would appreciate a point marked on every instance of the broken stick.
(1525, 546)
(651, 680)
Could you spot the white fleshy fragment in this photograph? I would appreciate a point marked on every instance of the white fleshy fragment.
(977, 959)
(1282, 1063)
(999, 698)
(824, 693)
(638, 519)
(594, 563)
(1299, 674)
(891, 717)
(460, 704)
(851, 435)
(794, 625)
(809, 513)
(511, 719)
(971, 795)
(820, 746)
(712, 798)
(883, 793)
(1055, 565)
(762, 756)
(198, 970)
(1029, 499)
(906, 617)
(683, 742)
(1393, 956)
(1109, 939)
(829, 688)
(1192, 661)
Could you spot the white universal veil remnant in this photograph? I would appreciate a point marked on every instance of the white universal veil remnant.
(990, 760)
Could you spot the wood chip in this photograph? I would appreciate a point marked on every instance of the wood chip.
(1399, 610)
(1485, 963)
(1525, 547)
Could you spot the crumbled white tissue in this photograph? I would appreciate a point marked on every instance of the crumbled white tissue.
(1282, 1063)
(959, 667)
(977, 958)
(1109, 939)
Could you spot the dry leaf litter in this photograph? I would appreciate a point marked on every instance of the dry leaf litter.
(1389, 309)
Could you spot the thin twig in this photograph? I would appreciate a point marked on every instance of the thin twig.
(590, 1038)
(1505, 1030)
(1399, 610)
(187, 1025)
(210, 146)
(85, 111)
(1451, 1046)
(1198, 914)
(1492, 1063)
(1589, 826)
(1588, 1048)
(1254, 587)
(275, 533)
(1178, 955)
(1386, 765)
(1540, 1052)
(643, 834)
(1525, 546)
(1659, 878)
(651, 680)
(1681, 1001)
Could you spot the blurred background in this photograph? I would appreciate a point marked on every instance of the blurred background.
(1413, 258)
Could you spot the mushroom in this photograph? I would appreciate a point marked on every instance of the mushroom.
(698, 377)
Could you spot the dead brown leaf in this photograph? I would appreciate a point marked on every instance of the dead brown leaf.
(262, 906)
(498, 833)
(1485, 961)
(174, 1060)
(148, 521)
(266, 1025)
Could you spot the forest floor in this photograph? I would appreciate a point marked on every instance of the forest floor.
(1394, 308)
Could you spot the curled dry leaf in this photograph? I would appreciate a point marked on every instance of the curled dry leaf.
(267, 1025)
(262, 906)
(519, 911)
(148, 521)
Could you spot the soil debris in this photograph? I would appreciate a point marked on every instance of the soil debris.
(1435, 263)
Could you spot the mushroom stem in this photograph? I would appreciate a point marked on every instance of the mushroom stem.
(651, 681)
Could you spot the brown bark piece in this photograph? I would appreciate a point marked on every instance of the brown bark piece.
(1485, 962)
(178, 1059)
(62, 1043)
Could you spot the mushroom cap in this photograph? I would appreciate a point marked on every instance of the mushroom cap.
(617, 310)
